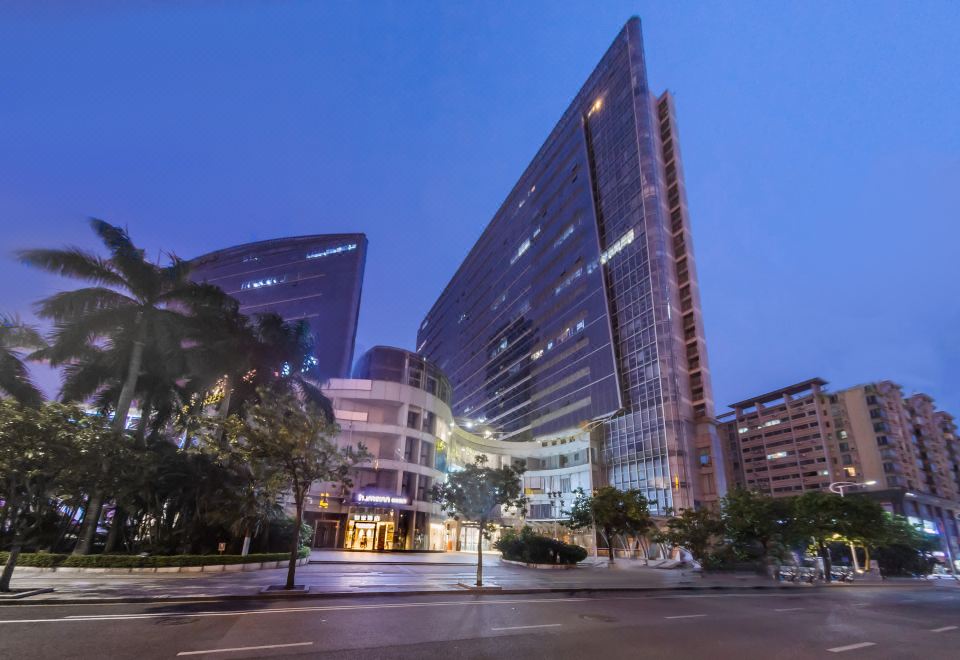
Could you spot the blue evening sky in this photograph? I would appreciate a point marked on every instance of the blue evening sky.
(821, 142)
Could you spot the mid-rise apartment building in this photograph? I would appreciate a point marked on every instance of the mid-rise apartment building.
(579, 308)
(898, 449)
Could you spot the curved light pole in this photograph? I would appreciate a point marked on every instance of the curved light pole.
(838, 487)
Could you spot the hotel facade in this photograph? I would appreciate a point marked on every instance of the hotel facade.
(577, 312)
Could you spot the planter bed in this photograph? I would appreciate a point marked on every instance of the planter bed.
(528, 565)
(127, 564)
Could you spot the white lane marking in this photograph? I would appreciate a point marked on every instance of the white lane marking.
(685, 616)
(328, 608)
(541, 625)
(246, 648)
(789, 609)
(944, 629)
(851, 647)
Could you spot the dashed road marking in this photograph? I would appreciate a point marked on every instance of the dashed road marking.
(685, 616)
(789, 609)
(246, 648)
(944, 629)
(540, 625)
(851, 647)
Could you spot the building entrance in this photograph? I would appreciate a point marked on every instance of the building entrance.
(370, 531)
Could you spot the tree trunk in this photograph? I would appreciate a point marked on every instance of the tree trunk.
(483, 526)
(609, 534)
(245, 550)
(116, 530)
(827, 564)
(130, 383)
(88, 528)
(9, 566)
(295, 546)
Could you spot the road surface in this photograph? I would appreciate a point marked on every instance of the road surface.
(852, 622)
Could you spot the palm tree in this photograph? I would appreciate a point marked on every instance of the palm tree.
(14, 378)
(132, 304)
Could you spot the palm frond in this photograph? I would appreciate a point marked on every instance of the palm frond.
(68, 305)
(72, 262)
(14, 333)
(141, 277)
(15, 380)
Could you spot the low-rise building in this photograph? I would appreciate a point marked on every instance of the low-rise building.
(397, 405)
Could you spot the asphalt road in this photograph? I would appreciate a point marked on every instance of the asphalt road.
(855, 622)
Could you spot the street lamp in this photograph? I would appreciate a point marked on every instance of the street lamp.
(838, 487)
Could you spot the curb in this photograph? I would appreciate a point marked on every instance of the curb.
(347, 562)
(384, 594)
(442, 592)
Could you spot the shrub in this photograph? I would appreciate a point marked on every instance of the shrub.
(47, 560)
(36, 559)
(532, 548)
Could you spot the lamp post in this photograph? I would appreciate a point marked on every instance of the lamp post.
(838, 487)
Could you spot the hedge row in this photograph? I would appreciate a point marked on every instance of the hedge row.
(48, 560)
(533, 548)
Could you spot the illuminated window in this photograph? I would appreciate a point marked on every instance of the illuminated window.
(567, 282)
(259, 284)
(779, 454)
(743, 429)
(520, 250)
(333, 250)
(621, 243)
(564, 236)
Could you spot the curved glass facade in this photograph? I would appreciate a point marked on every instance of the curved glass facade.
(396, 365)
(315, 278)
(578, 307)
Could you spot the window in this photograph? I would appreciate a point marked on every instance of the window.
(704, 457)
(850, 472)
(621, 243)
(540, 512)
(565, 485)
(349, 247)
(409, 449)
(882, 440)
(844, 446)
(262, 282)
(847, 460)
(413, 419)
(425, 454)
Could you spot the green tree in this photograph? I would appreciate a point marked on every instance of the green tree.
(697, 530)
(478, 494)
(824, 518)
(15, 336)
(289, 440)
(132, 304)
(753, 521)
(905, 549)
(613, 512)
(39, 449)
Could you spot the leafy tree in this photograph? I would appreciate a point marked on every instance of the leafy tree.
(612, 511)
(39, 449)
(15, 336)
(753, 521)
(132, 304)
(905, 549)
(478, 494)
(697, 530)
(824, 517)
(288, 439)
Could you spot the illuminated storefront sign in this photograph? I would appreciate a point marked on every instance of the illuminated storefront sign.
(370, 498)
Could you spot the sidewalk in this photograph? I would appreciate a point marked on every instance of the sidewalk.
(377, 575)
